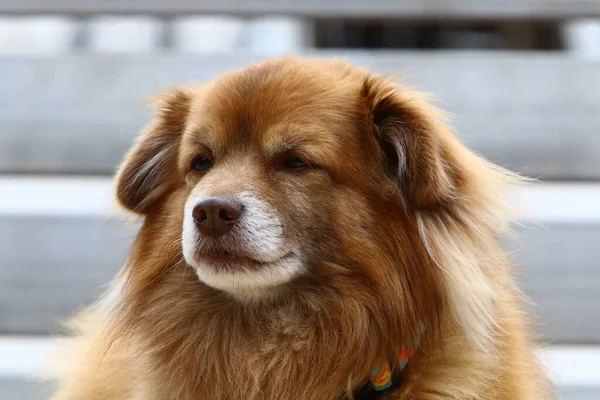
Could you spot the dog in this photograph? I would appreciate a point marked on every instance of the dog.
(311, 230)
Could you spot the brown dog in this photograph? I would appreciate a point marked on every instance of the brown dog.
(312, 231)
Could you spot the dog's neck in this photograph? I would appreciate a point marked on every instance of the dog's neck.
(254, 350)
(384, 375)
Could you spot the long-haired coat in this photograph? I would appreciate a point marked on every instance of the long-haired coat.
(311, 231)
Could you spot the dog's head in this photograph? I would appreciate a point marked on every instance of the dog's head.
(307, 178)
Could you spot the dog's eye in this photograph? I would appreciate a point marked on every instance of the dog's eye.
(201, 163)
(295, 163)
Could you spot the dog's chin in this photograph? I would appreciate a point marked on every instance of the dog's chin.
(245, 278)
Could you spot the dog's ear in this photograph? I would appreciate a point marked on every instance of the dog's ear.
(457, 198)
(149, 169)
(408, 130)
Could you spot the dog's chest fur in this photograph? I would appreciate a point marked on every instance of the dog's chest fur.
(231, 353)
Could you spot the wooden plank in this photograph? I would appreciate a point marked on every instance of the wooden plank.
(75, 257)
(529, 111)
(78, 249)
(52, 266)
(462, 9)
(559, 271)
(22, 389)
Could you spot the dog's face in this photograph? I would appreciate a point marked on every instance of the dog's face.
(265, 158)
(305, 176)
(277, 163)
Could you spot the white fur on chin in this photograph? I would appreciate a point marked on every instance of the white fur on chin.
(247, 284)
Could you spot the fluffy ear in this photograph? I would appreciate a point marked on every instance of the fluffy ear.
(149, 169)
(408, 131)
(456, 197)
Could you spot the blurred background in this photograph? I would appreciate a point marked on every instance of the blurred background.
(521, 76)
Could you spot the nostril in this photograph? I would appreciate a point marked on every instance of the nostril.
(199, 214)
(224, 215)
(229, 214)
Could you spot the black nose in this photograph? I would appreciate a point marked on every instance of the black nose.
(216, 216)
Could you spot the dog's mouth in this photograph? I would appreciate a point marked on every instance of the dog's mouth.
(244, 276)
(240, 271)
(220, 257)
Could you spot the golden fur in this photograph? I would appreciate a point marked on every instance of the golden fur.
(398, 223)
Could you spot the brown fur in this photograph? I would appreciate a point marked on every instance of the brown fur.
(400, 223)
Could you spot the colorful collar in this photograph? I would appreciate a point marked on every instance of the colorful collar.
(381, 374)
